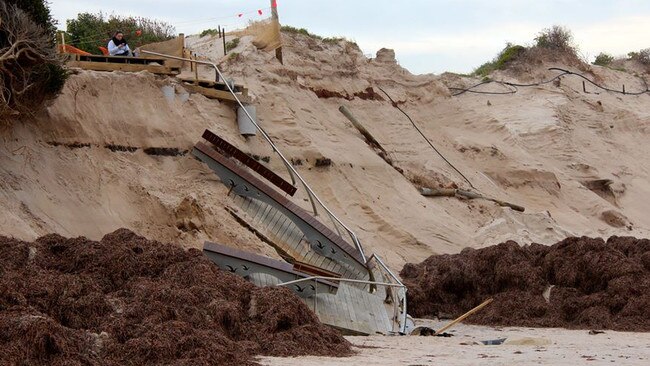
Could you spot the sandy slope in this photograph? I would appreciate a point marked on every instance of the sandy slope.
(536, 148)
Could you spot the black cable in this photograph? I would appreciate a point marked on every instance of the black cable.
(515, 85)
(504, 83)
(427, 140)
(600, 86)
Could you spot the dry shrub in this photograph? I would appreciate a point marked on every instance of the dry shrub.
(555, 38)
(642, 56)
(553, 44)
(30, 70)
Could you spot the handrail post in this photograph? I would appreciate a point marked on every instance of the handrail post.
(385, 267)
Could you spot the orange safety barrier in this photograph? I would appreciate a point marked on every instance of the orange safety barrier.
(71, 49)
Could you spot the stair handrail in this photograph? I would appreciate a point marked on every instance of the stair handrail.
(340, 279)
(367, 282)
(293, 173)
(396, 279)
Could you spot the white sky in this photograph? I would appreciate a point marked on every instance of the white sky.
(428, 36)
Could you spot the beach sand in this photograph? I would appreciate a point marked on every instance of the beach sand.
(524, 346)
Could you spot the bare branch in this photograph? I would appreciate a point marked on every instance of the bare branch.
(26, 50)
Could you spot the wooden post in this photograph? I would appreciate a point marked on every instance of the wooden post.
(464, 316)
(584, 87)
(219, 29)
(623, 88)
(181, 40)
(196, 71)
(367, 135)
(451, 192)
(276, 18)
(224, 41)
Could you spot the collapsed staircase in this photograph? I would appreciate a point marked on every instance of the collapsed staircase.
(346, 290)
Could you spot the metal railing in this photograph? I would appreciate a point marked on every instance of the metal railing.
(396, 295)
(324, 278)
(313, 198)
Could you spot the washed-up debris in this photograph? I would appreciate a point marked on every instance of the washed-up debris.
(129, 300)
(494, 342)
(597, 284)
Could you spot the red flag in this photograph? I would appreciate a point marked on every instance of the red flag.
(240, 15)
(138, 33)
(259, 12)
(274, 4)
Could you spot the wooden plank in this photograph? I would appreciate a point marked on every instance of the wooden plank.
(274, 224)
(265, 214)
(216, 94)
(291, 238)
(376, 312)
(214, 84)
(330, 265)
(121, 59)
(307, 257)
(303, 246)
(257, 209)
(294, 237)
(251, 208)
(363, 309)
(334, 307)
(263, 221)
(280, 230)
(285, 231)
(246, 205)
(99, 66)
(346, 299)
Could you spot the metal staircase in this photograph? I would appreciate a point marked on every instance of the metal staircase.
(367, 297)
(325, 264)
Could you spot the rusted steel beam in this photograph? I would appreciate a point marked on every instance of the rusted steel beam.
(226, 148)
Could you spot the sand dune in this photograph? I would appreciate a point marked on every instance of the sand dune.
(542, 148)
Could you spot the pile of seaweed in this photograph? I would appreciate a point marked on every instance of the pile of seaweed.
(576, 283)
(129, 300)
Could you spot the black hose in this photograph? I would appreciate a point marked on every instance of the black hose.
(515, 85)
(602, 87)
(425, 138)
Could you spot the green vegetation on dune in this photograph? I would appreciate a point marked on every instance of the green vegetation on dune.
(305, 32)
(209, 32)
(556, 39)
(90, 31)
(509, 53)
(603, 59)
